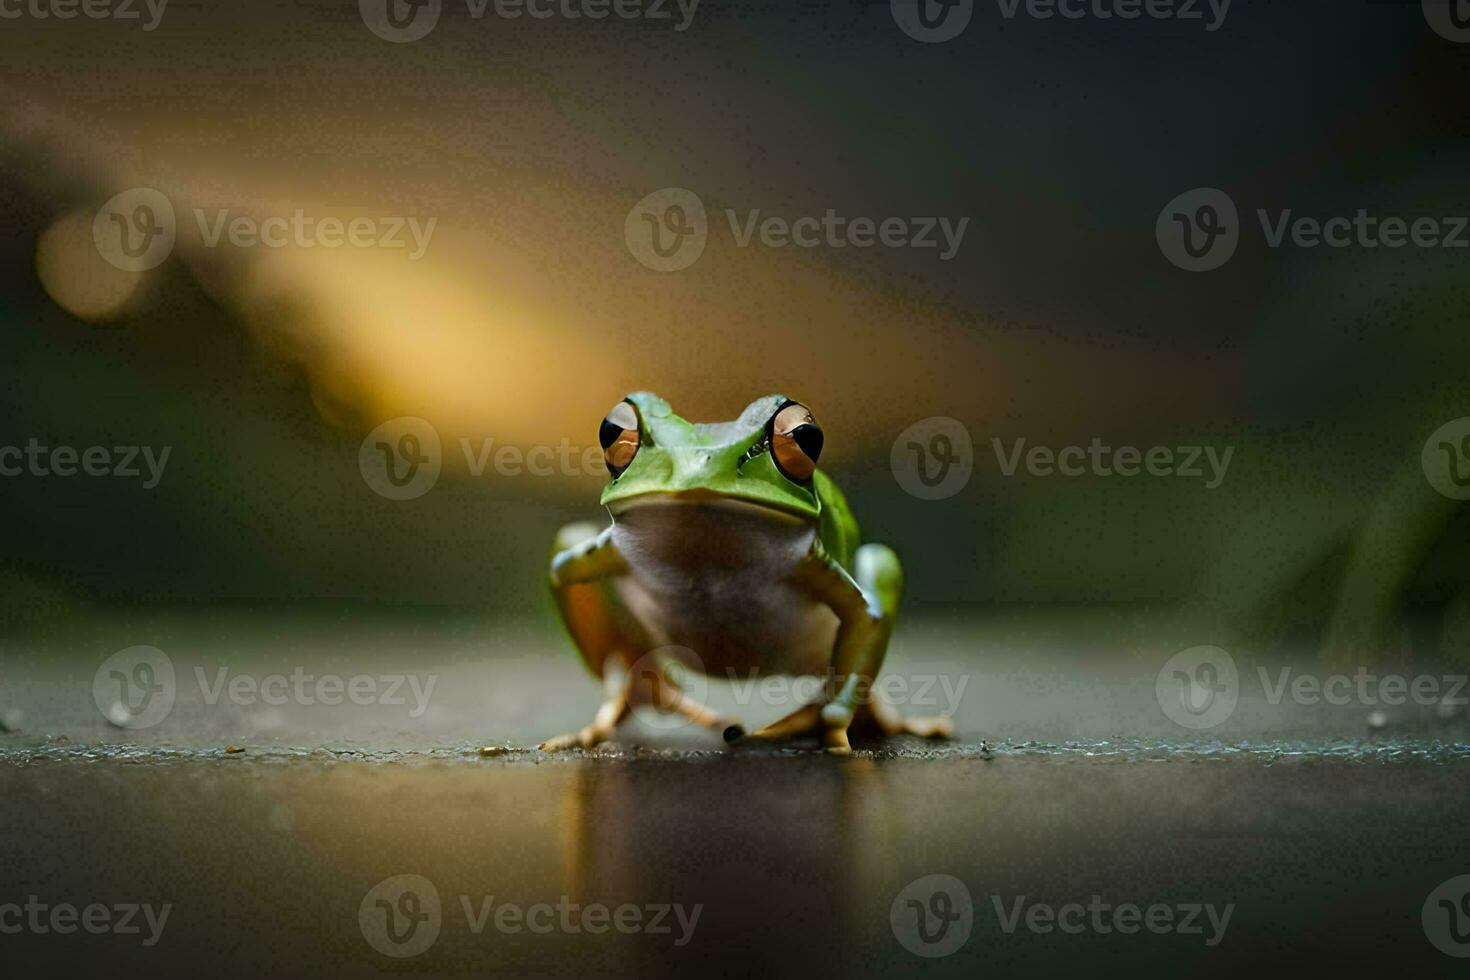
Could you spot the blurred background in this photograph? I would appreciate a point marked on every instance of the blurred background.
(527, 141)
(511, 157)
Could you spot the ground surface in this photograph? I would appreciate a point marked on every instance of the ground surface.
(1323, 834)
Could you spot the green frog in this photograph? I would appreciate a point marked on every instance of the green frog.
(729, 554)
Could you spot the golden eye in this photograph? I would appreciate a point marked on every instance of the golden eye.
(796, 442)
(619, 437)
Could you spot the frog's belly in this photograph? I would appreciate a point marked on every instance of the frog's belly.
(715, 577)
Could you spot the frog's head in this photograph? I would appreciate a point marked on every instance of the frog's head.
(768, 456)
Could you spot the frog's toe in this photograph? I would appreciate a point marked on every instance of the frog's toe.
(936, 727)
(803, 722)
(879, 718)
(588, 738)
(834, 740)
(561, 743)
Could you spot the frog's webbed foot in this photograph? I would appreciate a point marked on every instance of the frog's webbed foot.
(588, 737)
(613, 710)
(879, 718)
(561, 743)
(623, 691)
(801, 722)
(604, 723)
(873, 717)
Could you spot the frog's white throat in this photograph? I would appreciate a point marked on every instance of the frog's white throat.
(715, 574)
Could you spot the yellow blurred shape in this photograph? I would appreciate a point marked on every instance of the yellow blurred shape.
(75, 276)
(382, 337)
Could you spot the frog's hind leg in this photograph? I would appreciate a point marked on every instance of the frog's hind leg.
(879, 575)
(614, 709)
(659, 691)
(582, 573)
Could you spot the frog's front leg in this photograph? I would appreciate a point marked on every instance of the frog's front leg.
(866, 604)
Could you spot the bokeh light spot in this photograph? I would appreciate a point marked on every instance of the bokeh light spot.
(75, 276)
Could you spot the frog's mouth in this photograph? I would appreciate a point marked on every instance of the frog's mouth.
(708, 498)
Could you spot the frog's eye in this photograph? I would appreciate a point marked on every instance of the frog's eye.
(796, 441)
(619, 437)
